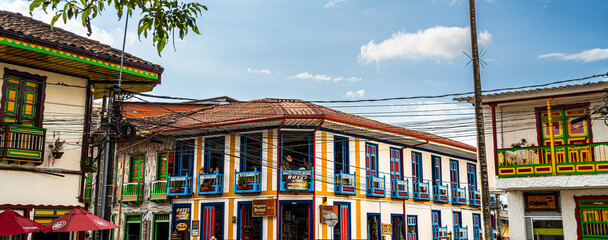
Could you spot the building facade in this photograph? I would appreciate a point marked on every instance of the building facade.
(287, 169)
(49, 81)
(553, 170)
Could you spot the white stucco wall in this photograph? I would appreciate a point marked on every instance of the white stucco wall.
(64, 110)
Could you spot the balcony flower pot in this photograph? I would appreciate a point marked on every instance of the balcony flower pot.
(57, 155)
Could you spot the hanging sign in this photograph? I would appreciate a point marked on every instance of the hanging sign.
(263, 207)
(386, 229)
(541, 202)
(182, 214)
(181, 226)
(325, 211)
(296, 180)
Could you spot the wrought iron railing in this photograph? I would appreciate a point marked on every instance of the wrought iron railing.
(400, 189)
(590, 158)
(474, 197)
(247, 182)
(376, 186)
(22, 143)
(158, 190)
(461, 233)
(179, 185)
(133, 192)
(211, 183)
(346, 183)
(440, 193)
(459, 195)
(420, 191)
(296, 180)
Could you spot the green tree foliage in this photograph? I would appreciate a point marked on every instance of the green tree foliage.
(161, 18)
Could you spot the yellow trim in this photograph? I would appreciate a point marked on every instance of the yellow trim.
(324, 178)
(358, 217)
(552, 136)
(44, 212)
(358, 172)
(10, 107)
(269, 159)
(270, 220)
(12, 94)
(537, 171)
(566, 171)
(231, 179)
(30, 84)
(601, 165)
(526, 168)
(230, 213)
(585, 165)
(43, 221)
(195, 215)
(549, 231)
(199, 160)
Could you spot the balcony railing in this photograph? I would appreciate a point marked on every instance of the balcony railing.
(461, 233)
(22, 143)
(588, 158)
(133, 192)
(296, 180)
(158, 190)
(211, 183)
(474, 197)
(346, 183)
(421, 191)
(247, 182)
(493, 200)
(439, 232)
(459, 195)
(179, 186)
(400, 189)
(477, 233)
(87, 193)
(376, 186)
(440, 193)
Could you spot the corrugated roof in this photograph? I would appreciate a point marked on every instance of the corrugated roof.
(15, 25)
(535, 90)
(273, 109)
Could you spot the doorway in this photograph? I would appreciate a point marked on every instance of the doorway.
(249, 228)
(295, 220)
(544, 228)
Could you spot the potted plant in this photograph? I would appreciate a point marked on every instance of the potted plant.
(206, 186)
(242, 182)
(56, 148)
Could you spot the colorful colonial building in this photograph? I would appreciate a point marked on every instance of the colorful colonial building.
(49, 81)
(288, 169)
(553, 170)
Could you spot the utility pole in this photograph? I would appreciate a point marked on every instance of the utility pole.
(481, 141)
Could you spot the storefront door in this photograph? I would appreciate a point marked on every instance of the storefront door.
(213, 221)
(295, 220)
(397, 227)
(249, 228)
(180, 228)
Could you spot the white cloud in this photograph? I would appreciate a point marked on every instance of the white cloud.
(323, 77)
(332, 3)
(436, 43)
(357, 94)
(591, 55)
(76, 27)
(261, 71)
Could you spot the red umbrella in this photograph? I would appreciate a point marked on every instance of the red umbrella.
(79, 220)
(12, 223)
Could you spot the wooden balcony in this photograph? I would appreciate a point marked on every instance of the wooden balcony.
(440, 232)
(461, 233)
(477, 233)
(493, 201)
(211, 183)
(158, 190)
(421, 191)
(133, 192)
(474, 197)
(345, 184)
(440, 193)
(459, 195)
(400, 189)
(179, 186)
(248, 182)
(22, 144)
(376, 186)
(575, 159)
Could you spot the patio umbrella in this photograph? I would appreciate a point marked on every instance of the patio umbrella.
(12, 223)
(79, 220)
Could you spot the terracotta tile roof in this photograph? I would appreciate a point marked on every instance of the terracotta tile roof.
(144, 109)
(17, 26)
(272, 109)
(536, 90)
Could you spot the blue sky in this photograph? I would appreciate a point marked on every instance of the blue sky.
(353, 49)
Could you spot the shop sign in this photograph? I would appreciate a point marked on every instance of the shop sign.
(541, 202)
(263, 207)
(296, 180)
(386, 229)
(181, 226)
(194, 228)
(182, 214)
(326, 213)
